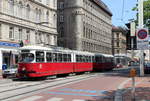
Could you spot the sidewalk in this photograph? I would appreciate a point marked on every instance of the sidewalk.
(142, 90)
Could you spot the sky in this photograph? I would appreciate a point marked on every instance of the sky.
(121, 14)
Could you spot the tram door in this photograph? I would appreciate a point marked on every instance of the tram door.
(6, 59)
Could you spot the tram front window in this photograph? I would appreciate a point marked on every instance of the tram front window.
(27, 57)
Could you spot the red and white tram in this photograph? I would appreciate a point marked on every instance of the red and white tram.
(37, 61)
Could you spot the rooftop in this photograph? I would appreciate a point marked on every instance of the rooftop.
(103, 6)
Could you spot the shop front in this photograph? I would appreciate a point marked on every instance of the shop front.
(8, 55)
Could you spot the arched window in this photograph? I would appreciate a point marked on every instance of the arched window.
(20, 9)
(47, 16)
(11, 7)
(28, 12)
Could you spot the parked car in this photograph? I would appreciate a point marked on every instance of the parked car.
(10, 71)
(147, 67)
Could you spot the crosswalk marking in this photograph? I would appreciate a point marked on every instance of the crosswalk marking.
(55, 99)
(32, 98)
(78, 100)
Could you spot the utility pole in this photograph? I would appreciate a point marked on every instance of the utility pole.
(140, 23)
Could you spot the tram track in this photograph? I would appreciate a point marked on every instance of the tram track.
(8, 95)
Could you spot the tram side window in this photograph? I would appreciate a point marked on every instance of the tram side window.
(93, 59)
(83, 58)
(65, 57)
(99, 59)
(104, 59)
(90, 59)
(77, 58)
(55, 59)
(49, 57)
(60, 57)
(69, 57)
(87, 59)
(39, 56)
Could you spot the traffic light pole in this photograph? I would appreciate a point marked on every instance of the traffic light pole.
(140, 22)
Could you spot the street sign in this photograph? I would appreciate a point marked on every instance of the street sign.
(142, 39)
(132, 72)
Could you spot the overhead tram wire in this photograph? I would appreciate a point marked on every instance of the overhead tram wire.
(122, 15)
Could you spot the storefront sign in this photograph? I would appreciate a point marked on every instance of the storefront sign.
(9, 44)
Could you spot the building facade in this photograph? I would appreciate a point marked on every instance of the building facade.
(119, 41)
(85, 25)
(31, 22)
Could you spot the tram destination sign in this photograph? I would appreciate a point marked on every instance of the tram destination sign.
(142, 39)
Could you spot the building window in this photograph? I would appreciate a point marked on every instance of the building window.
(54, 3)
(40, 38)
(39, 15)
(36, 38)
(48, 39)
(61, 5)
(36, 15)
(20, 34)
(28, 12)
(20, 9)
(117, 44)
(61, 18)
(55, 40)
(47, 2)
(11, 7)
(55, 20)
(117, 35)
(28, 35)
(118, 51)
(47, 16)
(11, 33)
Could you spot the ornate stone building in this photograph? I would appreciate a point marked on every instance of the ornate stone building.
(85, 25)
(28, 21)
(119, 40)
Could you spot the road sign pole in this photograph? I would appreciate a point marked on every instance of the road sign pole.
(133, 74)
(140, 22)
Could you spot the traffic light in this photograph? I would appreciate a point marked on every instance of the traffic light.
(130, 40)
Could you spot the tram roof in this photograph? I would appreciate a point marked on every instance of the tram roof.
(35, 48)
(83, 52)
(108, 55)
(105, 55)
(120, 55)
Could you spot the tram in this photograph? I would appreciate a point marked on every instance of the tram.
(121, 60)
(37, 61)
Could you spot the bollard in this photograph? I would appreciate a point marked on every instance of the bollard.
(133, 74)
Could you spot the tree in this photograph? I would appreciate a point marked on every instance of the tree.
(146, 10)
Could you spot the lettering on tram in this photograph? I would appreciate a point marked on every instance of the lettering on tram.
(37, 61)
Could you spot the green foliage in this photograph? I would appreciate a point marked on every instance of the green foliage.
(146, 9)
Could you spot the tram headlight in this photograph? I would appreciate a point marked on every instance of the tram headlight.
(23, 69)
